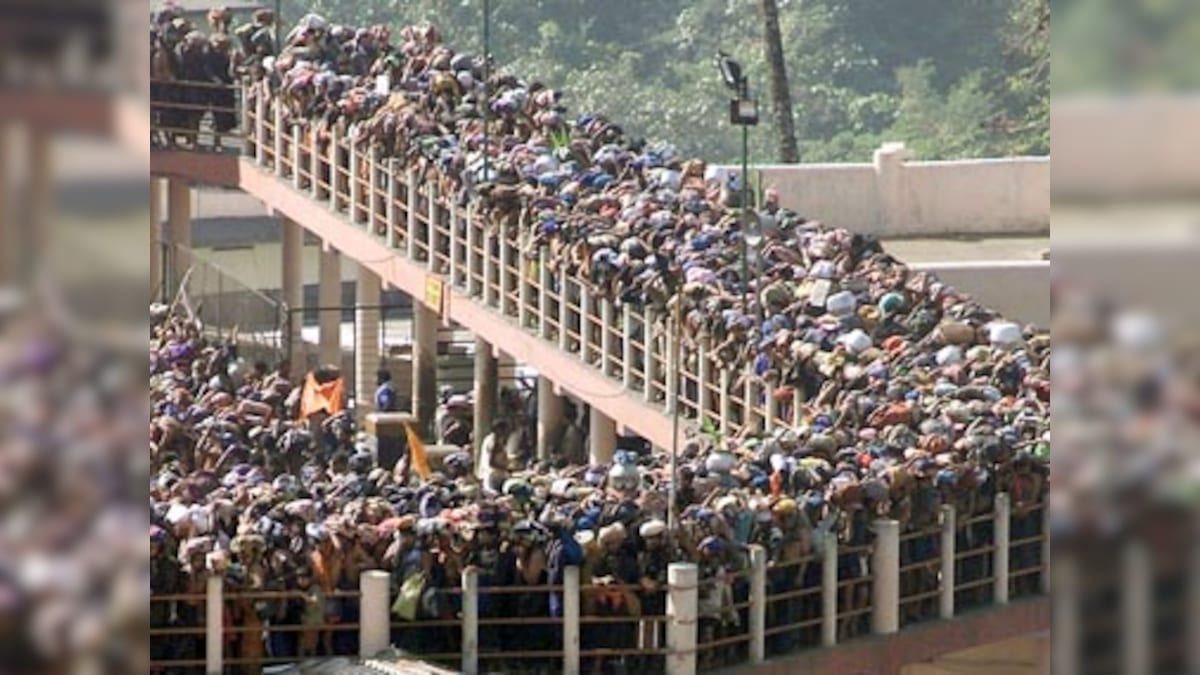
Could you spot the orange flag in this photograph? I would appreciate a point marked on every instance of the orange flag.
(318, 397)
(416, 449)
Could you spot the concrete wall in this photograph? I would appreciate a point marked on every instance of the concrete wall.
(1138, 147)
(896, 197)
(1020, 290)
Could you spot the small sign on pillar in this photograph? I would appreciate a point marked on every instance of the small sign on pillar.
(435, 295)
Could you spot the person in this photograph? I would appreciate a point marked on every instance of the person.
(493, 461)
(386, 397)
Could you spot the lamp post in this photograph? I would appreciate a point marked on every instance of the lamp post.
(752, 236)
(743, 112)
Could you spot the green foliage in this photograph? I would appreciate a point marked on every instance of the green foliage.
(953, 79)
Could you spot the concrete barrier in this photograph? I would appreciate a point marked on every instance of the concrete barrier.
(894, 196)
(1018, 289)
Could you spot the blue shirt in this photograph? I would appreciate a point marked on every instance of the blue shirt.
(385, 398)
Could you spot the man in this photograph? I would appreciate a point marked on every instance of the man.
(386, 397)
(493, 461)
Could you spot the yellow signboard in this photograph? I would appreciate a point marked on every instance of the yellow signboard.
(435, 296)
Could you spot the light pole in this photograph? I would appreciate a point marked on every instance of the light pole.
(743, 112)
(487, 76)
(753, 238)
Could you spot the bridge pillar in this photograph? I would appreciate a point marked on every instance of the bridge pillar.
(329, 299)
(550, 410)
(602, 437)
(41, 196)
(179, 229)
(366, 339)
(156, 256)
(292, 290)
(487, 377)
(424, 365)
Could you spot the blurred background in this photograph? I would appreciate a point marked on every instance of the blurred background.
(1125, 129)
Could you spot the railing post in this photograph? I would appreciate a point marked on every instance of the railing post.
(606, 322)
(260, 125)
(433, 229)
(829, 591)
(355, 184)
(797, 407)
(627, 346)
(758, 604)
(726, 401)
(488, 265)
(296, 183)
(374, 624)
(522, 282)
(411, 208)
(314, 159)
(277, 118)
(772, 407)
(1046, 553)
(1001, 539)
(585, 324)
(372, 188)
(704, 368)
(564, 313)
(470, 621)
(1137, 608)
(505, 269)
(543, 294)
(570, 618)
(885, 572)
(648, 341)
(334, 149)
(247, 147)
(750, 398)
(1065, 616)
(472, 262)
(452, 214)
(393, 218)
(214, 626)
(682, 610)
(948, 550)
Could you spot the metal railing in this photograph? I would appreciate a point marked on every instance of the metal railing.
(499, 267)
(196, 116)
(835, 594)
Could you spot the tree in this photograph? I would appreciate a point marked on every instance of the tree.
(781, 96)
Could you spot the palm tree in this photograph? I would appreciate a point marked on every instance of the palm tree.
(781, 97)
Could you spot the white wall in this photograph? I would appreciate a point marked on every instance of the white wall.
(896, 197)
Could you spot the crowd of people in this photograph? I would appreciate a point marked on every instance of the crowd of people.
(915, 395)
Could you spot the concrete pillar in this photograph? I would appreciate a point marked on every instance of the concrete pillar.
(627, 340)
(1001, 529)
(543, 294)
(571, 606)
(550, 411)
(487, 387)
(391, 213)
(829, 591)
(949, 550)
(602, 437)
(758, 604)
(726, 402)
(424, 364)
(470, 621)
(156, 256)
(366, 339)
(292, 288)
(889, 180)
(214, 625)
(682, 617)
(374, 626)
(885, 571)
(179, 228)
(650, 376)
(704, 369)
(329, 300)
